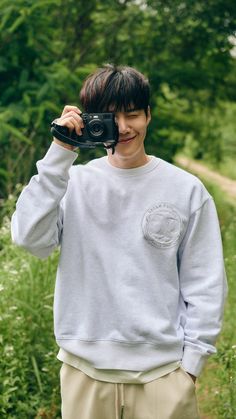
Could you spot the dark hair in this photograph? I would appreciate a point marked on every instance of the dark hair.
(115, 88)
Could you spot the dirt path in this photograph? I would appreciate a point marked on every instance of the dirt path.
(226, 184)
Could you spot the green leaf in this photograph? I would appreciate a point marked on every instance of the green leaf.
(37, 374)
(16, 133)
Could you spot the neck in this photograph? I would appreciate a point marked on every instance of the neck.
(123, 162)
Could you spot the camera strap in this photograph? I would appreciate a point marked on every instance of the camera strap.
(62, 133)
(110, 146)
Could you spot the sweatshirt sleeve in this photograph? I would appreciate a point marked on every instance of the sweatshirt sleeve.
(37, 221)
(203, 286)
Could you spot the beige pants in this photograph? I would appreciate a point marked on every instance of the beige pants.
(169, 397)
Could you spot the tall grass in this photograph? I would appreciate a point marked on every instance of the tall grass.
(29, 384)
(217, 384)
(29, 371)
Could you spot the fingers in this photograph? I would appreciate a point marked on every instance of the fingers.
(71, 119)
(69, 108)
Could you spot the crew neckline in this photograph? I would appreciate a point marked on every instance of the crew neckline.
(135, 171)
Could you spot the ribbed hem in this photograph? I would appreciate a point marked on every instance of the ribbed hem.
(122, 355)
(57, 154)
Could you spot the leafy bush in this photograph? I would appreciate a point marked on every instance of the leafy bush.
(48, 49)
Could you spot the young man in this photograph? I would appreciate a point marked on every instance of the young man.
(140, 284)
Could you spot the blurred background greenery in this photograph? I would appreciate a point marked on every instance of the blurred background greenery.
(47, 47)
(186, 48)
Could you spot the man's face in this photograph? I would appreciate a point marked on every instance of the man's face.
(132, 127)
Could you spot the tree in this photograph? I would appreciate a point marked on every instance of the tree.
(47, 48)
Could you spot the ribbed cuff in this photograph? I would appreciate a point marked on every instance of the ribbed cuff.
(57, 160)
(58, 150)
(193, 361)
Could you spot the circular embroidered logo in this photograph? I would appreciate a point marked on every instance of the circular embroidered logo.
(162, 225)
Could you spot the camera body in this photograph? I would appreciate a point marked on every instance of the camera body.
(99, 129)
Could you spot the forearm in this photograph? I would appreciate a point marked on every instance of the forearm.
(36, 223)
(203, 287)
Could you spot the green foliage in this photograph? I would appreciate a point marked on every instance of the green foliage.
(47, 48)
(35, 80)
(217, 383)
(165, 139)
(214, 137)
(29, 383)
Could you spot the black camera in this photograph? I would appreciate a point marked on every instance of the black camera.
(99, 129)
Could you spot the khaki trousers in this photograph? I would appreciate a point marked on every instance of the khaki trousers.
(169, 397)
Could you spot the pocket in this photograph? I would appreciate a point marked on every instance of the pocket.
(187, 376)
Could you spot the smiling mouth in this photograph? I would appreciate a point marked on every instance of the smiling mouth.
(126, 140)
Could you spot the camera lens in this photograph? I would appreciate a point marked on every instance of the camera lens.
(95, 128)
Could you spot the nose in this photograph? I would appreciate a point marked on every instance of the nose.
(122, 124)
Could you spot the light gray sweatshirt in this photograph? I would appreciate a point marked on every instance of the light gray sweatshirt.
(141, 280)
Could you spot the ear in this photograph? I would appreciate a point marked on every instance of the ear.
(149, 117)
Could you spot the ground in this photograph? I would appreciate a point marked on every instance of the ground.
(226, 184)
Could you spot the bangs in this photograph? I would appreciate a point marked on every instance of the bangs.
(122, 94)
(117, 90)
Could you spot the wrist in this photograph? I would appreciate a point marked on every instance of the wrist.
(64, 145)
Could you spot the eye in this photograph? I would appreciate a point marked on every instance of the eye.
(132, 115)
